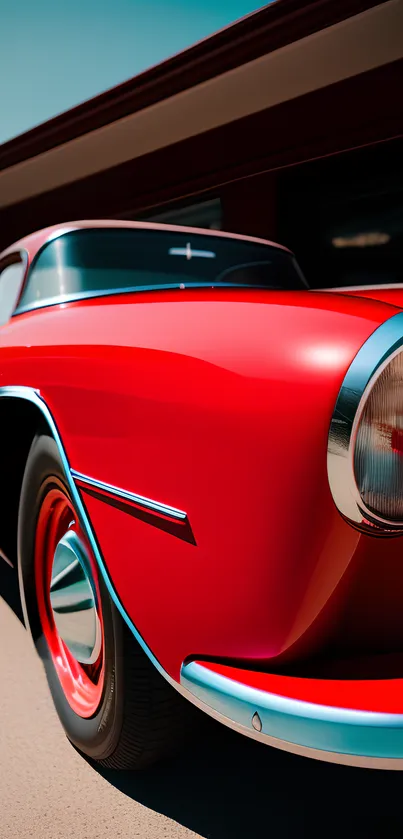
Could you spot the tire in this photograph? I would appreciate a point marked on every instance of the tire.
(128, 716)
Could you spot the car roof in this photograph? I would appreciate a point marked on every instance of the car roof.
(34, 241)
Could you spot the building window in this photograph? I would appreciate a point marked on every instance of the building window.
(343, 217)
(206, 214)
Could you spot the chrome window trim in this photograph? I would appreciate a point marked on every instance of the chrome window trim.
(379, 349)
(62, 299)
(55, 234)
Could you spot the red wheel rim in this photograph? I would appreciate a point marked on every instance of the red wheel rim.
(82, 682)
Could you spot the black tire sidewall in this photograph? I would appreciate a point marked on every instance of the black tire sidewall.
(97, 736)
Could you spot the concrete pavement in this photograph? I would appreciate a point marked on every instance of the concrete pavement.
(46, 788)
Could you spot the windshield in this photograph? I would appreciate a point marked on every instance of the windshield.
(87, 263)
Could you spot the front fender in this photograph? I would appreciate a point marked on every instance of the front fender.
(221, 410)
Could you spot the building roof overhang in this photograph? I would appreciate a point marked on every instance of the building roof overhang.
(280, 53)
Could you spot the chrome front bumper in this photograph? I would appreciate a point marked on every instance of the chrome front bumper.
(340, 735)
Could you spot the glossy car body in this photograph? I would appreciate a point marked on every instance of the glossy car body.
(194, 430)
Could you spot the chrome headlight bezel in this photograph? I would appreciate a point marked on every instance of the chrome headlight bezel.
(369, 363)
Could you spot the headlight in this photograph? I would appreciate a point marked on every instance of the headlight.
(378, 451)
(365, 451)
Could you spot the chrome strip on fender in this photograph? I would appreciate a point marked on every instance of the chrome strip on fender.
(377, 350)
(131, 497)
(154, 513)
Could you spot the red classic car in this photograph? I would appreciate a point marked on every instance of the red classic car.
(202, 476)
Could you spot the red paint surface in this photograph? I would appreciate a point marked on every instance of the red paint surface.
(385, 294)
(216, 402)
(396, 442)
(382, 695)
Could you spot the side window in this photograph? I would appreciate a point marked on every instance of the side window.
(11, 277)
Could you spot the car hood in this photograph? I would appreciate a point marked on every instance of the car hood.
(263, 334)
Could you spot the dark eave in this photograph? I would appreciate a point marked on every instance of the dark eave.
(353, 113)
(280, 23)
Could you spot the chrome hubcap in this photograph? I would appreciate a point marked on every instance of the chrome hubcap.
(74, 601)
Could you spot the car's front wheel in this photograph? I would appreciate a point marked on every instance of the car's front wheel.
(114, 705)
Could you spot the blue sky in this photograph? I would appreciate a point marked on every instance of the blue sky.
(57, 53)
